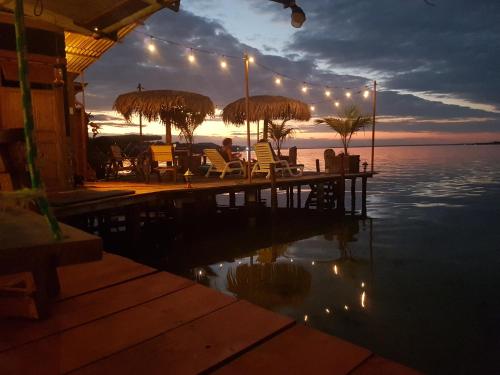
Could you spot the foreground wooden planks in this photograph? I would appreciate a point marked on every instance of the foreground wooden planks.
(85, 308)
(376, 365)
(111, 270)
(68, 350)
(197, 346)
(299, 350)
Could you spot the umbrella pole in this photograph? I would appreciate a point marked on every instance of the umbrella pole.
(139, 88)
(373, 127)
(247, 111)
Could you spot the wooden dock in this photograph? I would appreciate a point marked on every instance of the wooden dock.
(111, 195)
(116, 316)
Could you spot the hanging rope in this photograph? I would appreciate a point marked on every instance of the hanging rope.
(31, 150)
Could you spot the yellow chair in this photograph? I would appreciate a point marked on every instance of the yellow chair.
(163, 155)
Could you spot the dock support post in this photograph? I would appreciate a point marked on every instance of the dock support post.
(232, 199)
(318, 169)
(341, 188)
(291, 196)
(274, 192)
(353, 195)
(321, 196)
(299, 196)
(363, 195)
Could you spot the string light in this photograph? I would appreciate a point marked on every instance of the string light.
(306, 318)
(362, 285)
(335, 269)
(346, 308)
(151, 46)
(327, 310)
(312, 263)
(363, 295)
(312, 109)
(349, 92)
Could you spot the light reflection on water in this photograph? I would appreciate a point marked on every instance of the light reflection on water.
(418, 282)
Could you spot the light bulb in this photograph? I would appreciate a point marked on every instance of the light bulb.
(304, 89)
(312, 109)
(277, 81)
(337, 104)
(251, 59)
(223, 64)
(366, 94)
(348, 94)
(151, 47)
(328, 93)
(191, 58)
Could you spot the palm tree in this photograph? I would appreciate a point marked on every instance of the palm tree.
(187, 122)
(278, 133)
(350, 121)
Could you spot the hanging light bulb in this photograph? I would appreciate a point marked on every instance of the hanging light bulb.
(366, 94)
(312, 109)
(337, 104)
(223, 64)
(191, 57)
(251, 59)
(304, 88)
(348, 94)
(328, 93)
(277, 81)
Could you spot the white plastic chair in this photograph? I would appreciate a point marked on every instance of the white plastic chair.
(265, 158)
(219, 165)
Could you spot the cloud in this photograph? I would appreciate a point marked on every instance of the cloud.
(335, 37)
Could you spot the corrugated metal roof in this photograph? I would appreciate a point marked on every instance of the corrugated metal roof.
(83, 50)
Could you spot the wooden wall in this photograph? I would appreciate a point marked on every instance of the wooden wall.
(52, 131)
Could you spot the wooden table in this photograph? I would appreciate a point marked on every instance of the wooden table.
(27, 245)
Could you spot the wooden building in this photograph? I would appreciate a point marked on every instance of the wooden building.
(64, 37)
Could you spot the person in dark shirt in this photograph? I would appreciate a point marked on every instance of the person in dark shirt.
(227, 150)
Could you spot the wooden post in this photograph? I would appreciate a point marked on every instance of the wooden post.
(373, 124)
(287, 197)
(274, 192)
(84, 129)
(363, 195)
(353, 195)
(321, 196)
(29, 125)
(291, 196)
(139, 88)
(247, 113)
(341, 187)
(232, 199)
(299, 196)
(318, 169)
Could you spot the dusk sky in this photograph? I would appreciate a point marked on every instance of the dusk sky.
(436, 66)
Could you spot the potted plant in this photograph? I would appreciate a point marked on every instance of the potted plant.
(346, 124)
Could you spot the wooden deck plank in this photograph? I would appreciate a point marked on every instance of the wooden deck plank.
(85, 308)
(299, 350)
(90, 342)
(111, 270)
(196, 346)
(377, 365)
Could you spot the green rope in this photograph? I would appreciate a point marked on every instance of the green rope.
(31, 151)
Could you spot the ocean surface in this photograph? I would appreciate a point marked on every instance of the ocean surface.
(418, 281)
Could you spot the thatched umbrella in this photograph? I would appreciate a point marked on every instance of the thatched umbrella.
(270, 285)
(266, 108)
(168, 106)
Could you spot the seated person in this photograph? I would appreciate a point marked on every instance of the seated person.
(227, 150)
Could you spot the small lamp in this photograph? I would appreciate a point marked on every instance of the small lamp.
(188, 177)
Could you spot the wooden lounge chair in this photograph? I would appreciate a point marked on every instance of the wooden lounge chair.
(265, 158)
(219, 165)
(116, 162)
(163, 161)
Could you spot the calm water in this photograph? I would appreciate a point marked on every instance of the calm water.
(418, 281)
